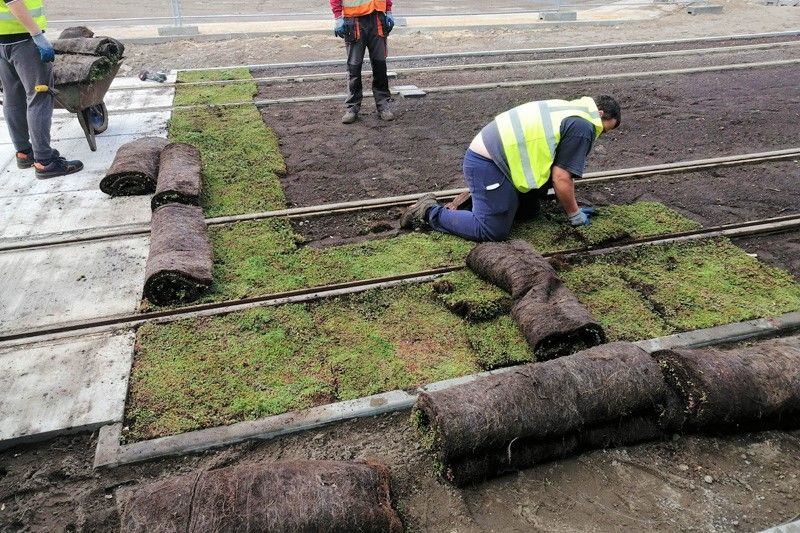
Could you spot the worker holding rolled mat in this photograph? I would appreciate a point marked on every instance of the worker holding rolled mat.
(364, 25)
(25, 62)
(519, 156)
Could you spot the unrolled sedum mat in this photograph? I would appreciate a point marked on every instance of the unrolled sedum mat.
(319, 496)
(607, 395)
(549, 316)
(179, 176)
(179, 267)
(750, 388)
(134, 170)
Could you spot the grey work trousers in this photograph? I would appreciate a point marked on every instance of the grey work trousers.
(367, 38)
(28, 114)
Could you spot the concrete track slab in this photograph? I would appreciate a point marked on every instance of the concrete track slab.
(70, 212)
(65, 385)
(67, 284)
(15, 182)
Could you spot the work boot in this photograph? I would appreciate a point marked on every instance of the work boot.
(416, 215)
(25, 159)
(386, 115)
(58, 166)
(349, 117)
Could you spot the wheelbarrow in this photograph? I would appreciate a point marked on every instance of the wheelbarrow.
(85, 99)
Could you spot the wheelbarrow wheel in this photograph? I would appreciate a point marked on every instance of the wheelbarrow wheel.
(98, 117)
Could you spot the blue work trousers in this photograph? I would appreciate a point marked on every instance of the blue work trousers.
(494, 204)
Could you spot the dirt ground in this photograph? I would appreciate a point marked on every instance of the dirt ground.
(739, 16)
(664, 119)
(652, 487)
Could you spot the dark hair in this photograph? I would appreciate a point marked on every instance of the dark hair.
(609, 107)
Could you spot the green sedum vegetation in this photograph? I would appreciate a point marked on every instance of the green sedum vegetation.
(212, 371)
(242, 163)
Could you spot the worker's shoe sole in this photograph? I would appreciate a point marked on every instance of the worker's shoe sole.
(57, 167)
(386, 115)
(349, 117)
(415, 216)
(26, 161)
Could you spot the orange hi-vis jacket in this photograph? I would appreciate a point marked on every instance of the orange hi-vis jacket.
(359, 8)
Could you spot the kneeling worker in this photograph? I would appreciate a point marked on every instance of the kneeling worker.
(528, 149)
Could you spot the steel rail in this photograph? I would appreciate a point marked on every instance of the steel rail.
(740, 229)
(472, 87)
(589, 178)
(517, 51)
(506, 65)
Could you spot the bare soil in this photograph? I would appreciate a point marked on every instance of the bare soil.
(651, 487)
(511, 73)
(739, 16)
(671, 118)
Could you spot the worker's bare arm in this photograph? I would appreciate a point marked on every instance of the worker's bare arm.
(18, 9)
(564, 186)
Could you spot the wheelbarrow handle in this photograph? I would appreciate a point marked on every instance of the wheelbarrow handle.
(52, 90)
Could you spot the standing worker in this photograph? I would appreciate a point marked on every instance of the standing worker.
(25, 62)
(364, 24)
(528, 149)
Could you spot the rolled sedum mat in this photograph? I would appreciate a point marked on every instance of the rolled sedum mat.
(68, 69)
(751, 388)
(135, 168)
(76, 31)
(514, 266)
(91, 46)
(539, 404)
(525, 453)
(292, 496)
(554, 322)
(179, 176)
(179, 267)
(548, 314)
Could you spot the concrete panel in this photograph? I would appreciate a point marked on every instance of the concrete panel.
(71, 384)
(16, 182)
(558, 16)
(45, 214)
(66, 284)
(705, 8)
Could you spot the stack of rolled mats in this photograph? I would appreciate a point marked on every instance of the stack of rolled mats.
(548, 314)
(611, 395)
(173, 171)
(83, 58)
(320, 496)
(179, 267)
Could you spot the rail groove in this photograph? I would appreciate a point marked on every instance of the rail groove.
(589, 178)
(741, 229)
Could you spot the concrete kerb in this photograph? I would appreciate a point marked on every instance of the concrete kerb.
(111, 453)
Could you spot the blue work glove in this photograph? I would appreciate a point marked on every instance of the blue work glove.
(389, 20)
(338, 29)
(46, 51)
(581, 216)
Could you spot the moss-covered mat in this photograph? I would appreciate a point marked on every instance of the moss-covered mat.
(257, 258)
(242, 163)
(212, 371)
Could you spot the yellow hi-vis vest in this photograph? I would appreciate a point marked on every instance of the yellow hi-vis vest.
(9, 23)
(531, 132)
(359, 8)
